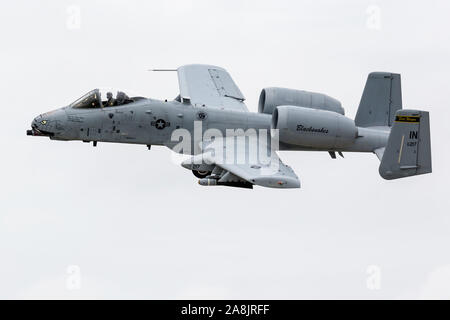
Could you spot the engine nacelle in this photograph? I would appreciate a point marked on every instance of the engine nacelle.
(270, 98)
(315, 128)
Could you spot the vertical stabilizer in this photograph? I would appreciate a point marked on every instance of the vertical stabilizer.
(381, 99)
(408, 151)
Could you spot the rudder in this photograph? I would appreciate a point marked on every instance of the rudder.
(408, 151)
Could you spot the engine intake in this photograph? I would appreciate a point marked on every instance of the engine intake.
(270, 98)
(320, 129)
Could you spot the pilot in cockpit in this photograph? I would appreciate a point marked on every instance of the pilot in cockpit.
(110, 99)
(93, 100)
(121, 98)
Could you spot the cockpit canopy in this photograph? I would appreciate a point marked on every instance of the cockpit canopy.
(103, 98)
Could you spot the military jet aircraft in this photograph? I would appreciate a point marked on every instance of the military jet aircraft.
(209, 121)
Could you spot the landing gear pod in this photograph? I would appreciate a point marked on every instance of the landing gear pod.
(201, 174)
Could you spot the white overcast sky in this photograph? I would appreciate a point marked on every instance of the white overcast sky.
(137, 225)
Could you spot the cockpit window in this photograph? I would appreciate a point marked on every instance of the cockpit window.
(89, 100)
(93, 99)
(116, 100)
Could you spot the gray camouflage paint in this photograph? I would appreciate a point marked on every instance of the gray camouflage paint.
(306, 121)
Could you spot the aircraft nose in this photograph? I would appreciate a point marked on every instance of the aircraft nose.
(40, 122)
(48, 124)
(35, 122)
(36, 127)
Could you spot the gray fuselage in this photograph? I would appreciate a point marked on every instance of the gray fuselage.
(152, 122)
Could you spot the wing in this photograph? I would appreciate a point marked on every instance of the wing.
(210, 86)
(246, 168)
